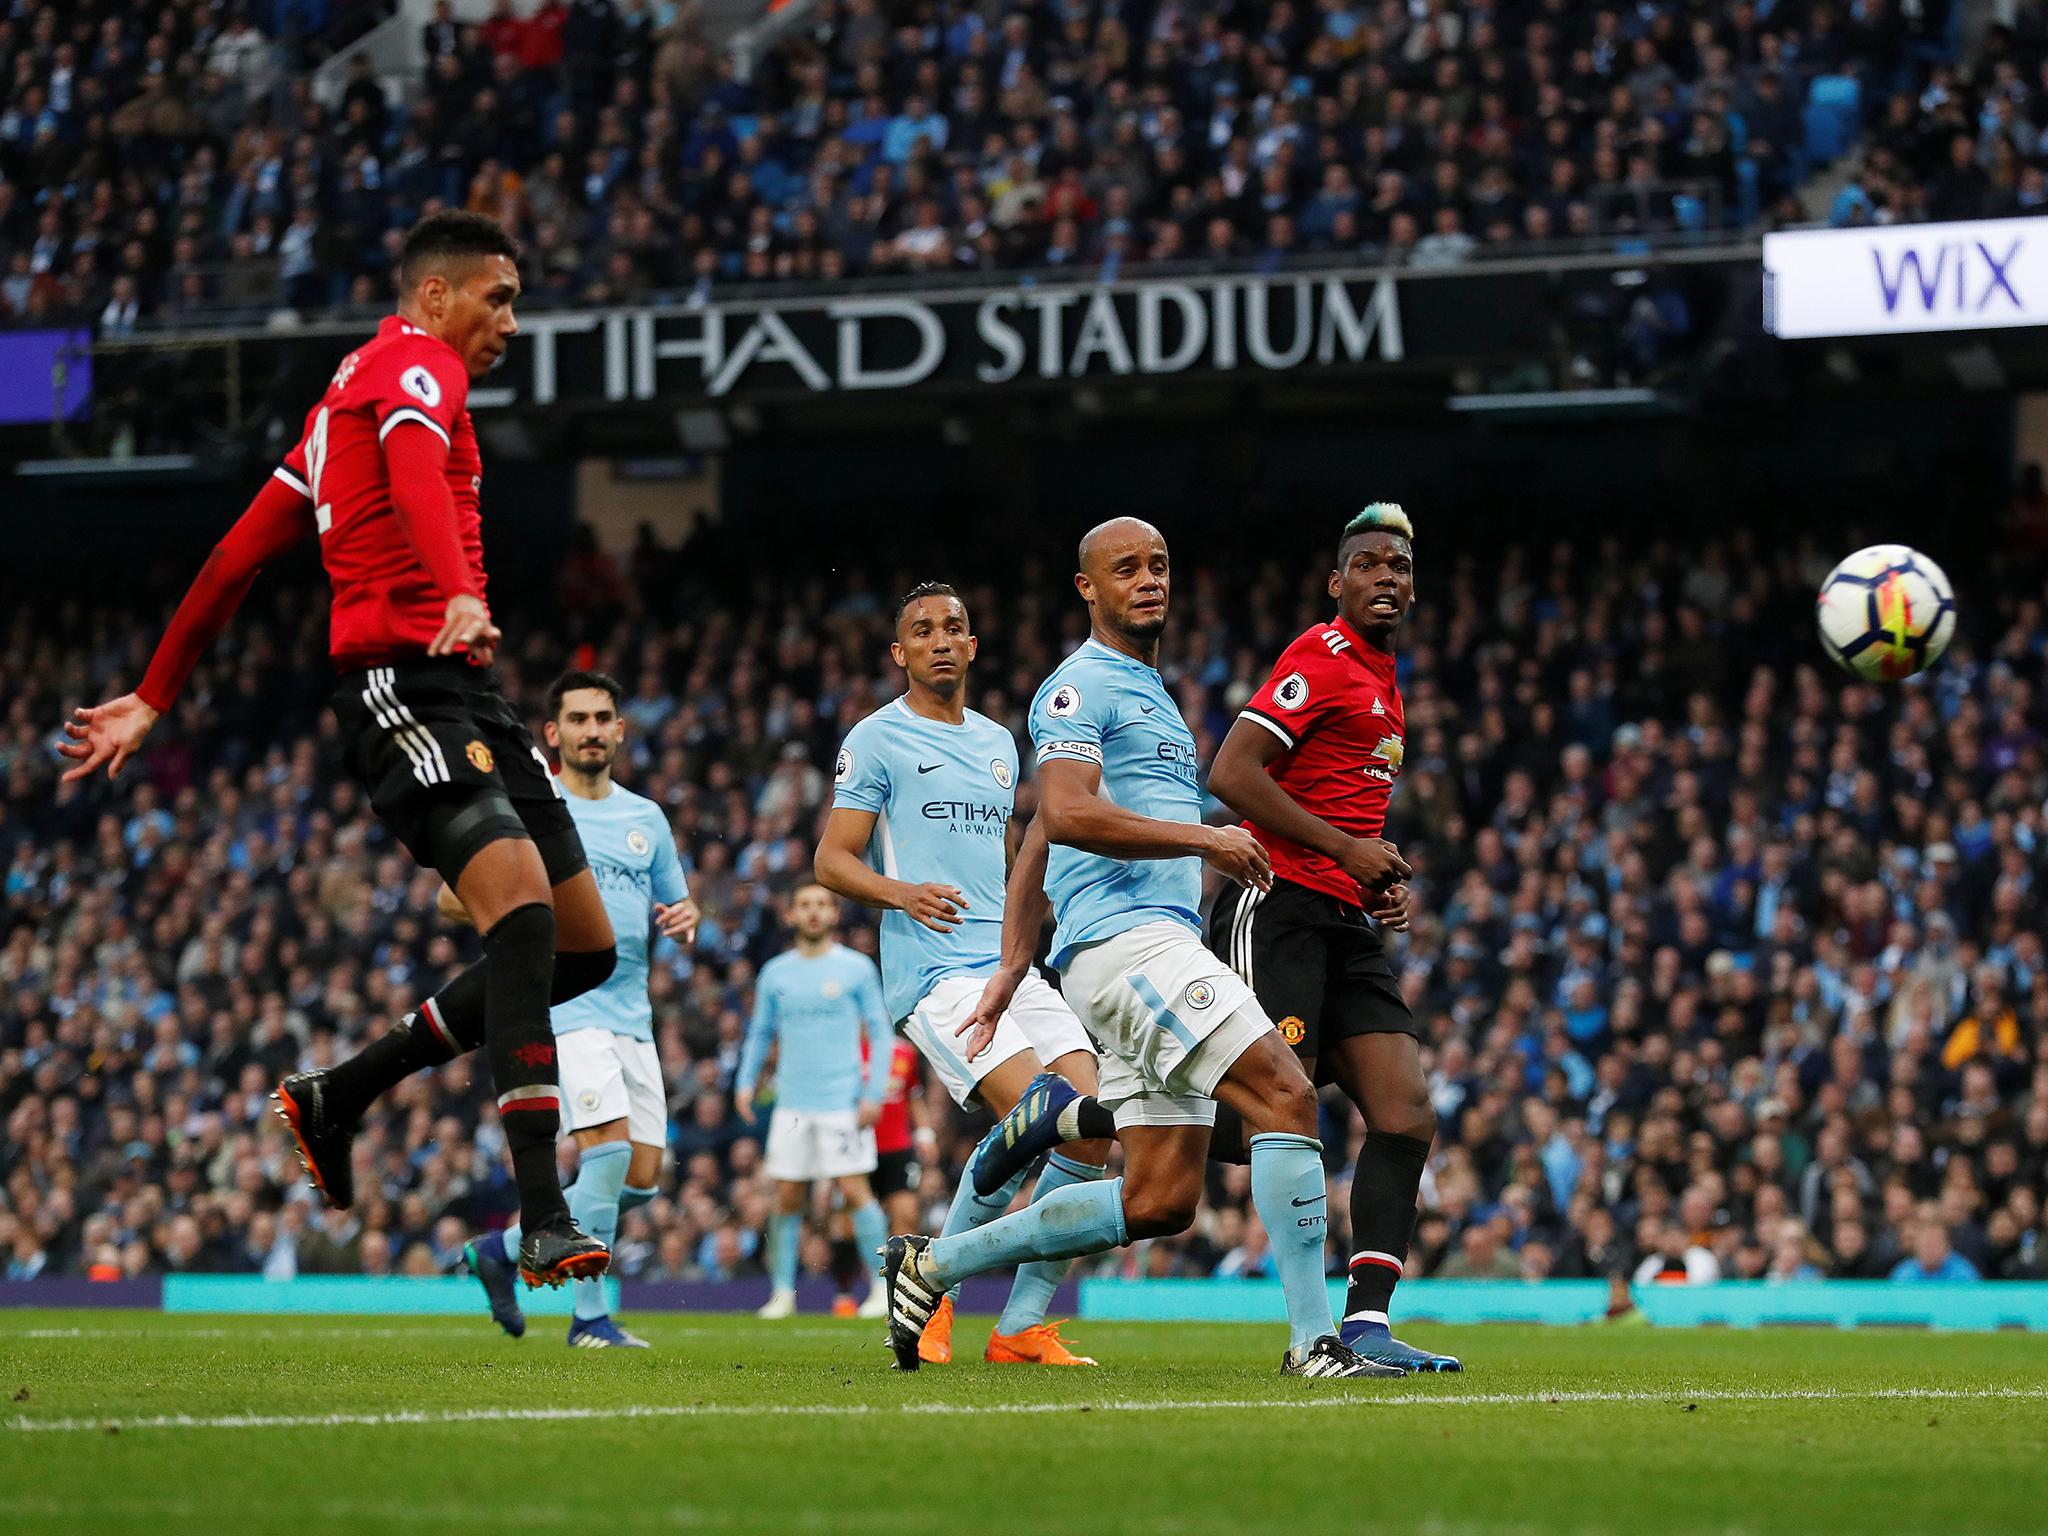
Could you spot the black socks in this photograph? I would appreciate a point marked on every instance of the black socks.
(447, 1025)
(1382, 1216)
(518, 970)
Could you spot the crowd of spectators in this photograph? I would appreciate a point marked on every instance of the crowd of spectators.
(1725, 966)
(166, 162)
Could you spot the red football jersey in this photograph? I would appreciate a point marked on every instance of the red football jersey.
(385, 605)
(1333, 702)
(892, 1130)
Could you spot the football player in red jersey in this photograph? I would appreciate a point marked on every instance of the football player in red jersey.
(1310, 765)
(387, 476)
(903, 1141)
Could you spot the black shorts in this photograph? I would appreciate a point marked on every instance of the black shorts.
(449, 766)
(1315, 963)
(896, 1173)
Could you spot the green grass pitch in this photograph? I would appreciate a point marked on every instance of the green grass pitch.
(142, 1423)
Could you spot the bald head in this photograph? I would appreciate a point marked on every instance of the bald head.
(1124, 579)
(1116, 534)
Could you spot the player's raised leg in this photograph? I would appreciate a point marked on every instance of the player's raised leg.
(1023, 1334)
(322, 1107)
(1032, 1024)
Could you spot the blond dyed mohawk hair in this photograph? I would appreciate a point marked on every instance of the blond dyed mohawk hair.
(1380, 517)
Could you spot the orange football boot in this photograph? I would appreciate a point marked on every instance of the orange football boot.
(1040, 1344)
(935, 1345)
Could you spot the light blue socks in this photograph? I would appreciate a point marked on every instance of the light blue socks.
(594, 1202)
(1289, 1194)
(1031, 1293)
(970, 1210)
(870, 1231)
(783, 1232)
(1081, 1218)
(632, 1197)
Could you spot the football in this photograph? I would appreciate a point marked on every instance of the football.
(1886, 613)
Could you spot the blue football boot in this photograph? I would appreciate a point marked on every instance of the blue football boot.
(603, 1333)
(1374, 1342)
(1029, 1131)
(484, 1255)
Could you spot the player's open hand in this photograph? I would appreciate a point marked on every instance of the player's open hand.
(677, 921)
(1236, 855)
(1389, 908)
(980, 1026)
(107, 733)
(467, 627)
(1375, 864)
(938, 907)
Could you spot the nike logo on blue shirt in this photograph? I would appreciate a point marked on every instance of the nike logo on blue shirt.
(929, 767)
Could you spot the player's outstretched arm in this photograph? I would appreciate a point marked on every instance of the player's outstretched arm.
(278, 517)
(1239, 779)
(1077, 816)
(1025, 909)
(839, 867)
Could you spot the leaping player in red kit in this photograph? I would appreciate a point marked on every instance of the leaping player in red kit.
(1310, 765)
(388, 477)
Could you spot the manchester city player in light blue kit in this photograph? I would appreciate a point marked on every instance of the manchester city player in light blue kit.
(921, 827)
(1118, 845)
(814, 1005)
(613, 1099)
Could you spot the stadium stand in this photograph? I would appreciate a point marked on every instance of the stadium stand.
(1726, 967)
(175, 164)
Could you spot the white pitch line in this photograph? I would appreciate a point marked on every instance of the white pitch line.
(24, 1425)
(257, 1331)
(446, 1328)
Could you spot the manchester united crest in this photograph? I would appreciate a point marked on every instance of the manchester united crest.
(480, 757)
(1292, 1030)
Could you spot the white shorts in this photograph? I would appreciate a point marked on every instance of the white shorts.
(807, 1144)
(1037, 1020)
(1170, 1018)
(607, 1077)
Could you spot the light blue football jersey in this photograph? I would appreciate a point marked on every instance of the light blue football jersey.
(943, 796)
(816, 1011)
(1103, 707)
(632, 853)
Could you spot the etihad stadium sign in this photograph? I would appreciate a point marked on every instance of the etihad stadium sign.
(1035, 333)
